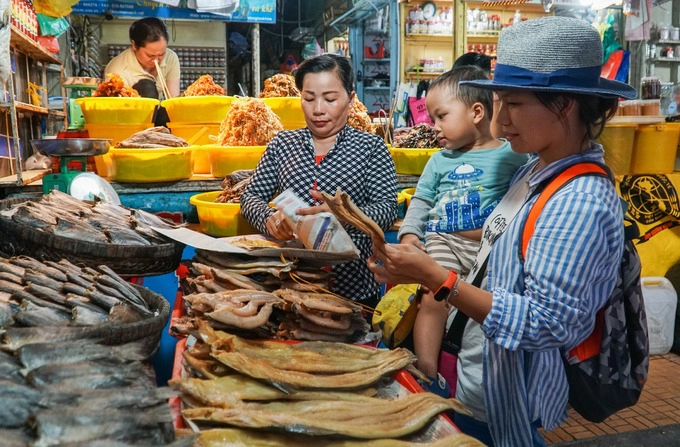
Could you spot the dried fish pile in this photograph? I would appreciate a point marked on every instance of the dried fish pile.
(233, 186)
(35, 293)
(259, 298)
(60, 214)
(79, 391)
(307, 390)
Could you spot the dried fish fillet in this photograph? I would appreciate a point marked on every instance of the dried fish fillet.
(372, 418)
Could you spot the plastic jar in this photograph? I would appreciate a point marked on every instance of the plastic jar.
(674, 33)
(650, 107)
(650, 87)
(664, 33)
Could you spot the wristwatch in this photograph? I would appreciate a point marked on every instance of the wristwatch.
(450, 287)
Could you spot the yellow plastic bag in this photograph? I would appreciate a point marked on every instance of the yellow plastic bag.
(54, 8)
(396, 312)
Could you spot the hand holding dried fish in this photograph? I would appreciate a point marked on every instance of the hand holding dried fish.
(346, 211)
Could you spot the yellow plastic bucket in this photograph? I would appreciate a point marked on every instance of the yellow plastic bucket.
(195, 133)
(618, 140)
(655, 148)
(289, 109)
(411, 161)
(220, 219)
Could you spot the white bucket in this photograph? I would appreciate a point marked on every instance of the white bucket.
(661, 301)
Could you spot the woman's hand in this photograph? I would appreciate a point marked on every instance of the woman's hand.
(405, 264)
(413, 240)
(322, 207)
(278, 227)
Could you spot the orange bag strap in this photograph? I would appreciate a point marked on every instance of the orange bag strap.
(549, 190)
(590, 346)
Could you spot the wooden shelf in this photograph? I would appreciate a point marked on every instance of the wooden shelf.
(423, 74)
(26, 177)
(59, 113)
(429, 37)
(31, 47)
(665, 59)
(24, 107)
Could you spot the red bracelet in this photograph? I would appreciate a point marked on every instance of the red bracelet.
(449, 287)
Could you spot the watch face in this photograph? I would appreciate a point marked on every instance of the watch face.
(429, 9)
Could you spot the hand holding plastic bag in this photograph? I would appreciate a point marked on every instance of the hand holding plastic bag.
(320, 231)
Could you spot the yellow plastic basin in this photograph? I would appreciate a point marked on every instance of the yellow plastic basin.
(195, 133)
(618, 141)
(220, 219)
(115, 132)
(103, 110)
(656, 146)
(226, 159)
(289, 109)
(201, 109)
(410, 161)
(150, 165)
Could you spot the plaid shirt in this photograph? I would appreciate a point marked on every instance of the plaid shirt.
(359, 164)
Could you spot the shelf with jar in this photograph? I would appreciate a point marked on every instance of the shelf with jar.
(426, 46)
(483, 23)
(24, 101)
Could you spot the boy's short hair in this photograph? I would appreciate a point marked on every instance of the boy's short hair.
(466, 93)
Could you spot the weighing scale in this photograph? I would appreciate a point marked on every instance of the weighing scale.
(76, 182)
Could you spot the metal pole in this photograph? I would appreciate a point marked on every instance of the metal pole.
(256, 60)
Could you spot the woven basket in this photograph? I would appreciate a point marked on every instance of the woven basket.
(147, 331)
(126, 260)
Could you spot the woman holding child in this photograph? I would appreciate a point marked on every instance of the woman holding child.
(553, 104)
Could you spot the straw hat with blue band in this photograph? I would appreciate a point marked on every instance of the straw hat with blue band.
(552, 54)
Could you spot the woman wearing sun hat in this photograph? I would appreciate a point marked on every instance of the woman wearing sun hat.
(553, 104)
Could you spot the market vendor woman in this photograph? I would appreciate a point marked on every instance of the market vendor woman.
(136, 65)
(325, 155)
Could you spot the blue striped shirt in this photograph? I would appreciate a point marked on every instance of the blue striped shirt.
(547, 304)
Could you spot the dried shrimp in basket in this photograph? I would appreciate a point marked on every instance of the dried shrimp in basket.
(204, 86)
(114, 86)
(249, 122)
(358, 117)
(279, 85)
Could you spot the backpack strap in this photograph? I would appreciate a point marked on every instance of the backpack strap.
(547, 189)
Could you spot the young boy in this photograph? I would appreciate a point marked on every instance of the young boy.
(457, 190)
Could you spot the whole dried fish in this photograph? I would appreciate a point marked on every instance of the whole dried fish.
(87, 374)
(11, 277)
(32, 315)
(7, 311)
(9, 368)
(7, 266)
(74, 229)
(16, 337)
(373, 418)
(38, 354)
(87, 316)
(73, 424)
(39, 278)
(219, 437)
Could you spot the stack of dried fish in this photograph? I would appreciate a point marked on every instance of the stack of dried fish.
(265, 297)
(34, 293)
(101, 222)
(233, 186)
(154, 137)
(317, 316)
(313, 388)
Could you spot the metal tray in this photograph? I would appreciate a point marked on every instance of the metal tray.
(85, 147)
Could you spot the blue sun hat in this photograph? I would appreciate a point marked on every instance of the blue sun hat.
(552, 54)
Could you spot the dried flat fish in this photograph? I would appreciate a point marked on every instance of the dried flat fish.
(372, 418)
(225, 391)
(35, 355)
(219, 437)
(344, 209)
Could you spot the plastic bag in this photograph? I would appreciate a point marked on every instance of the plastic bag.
(311, 49)
(54, 8)
(396, 313)
(52, 26)
(50, 43)
(320, 231)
